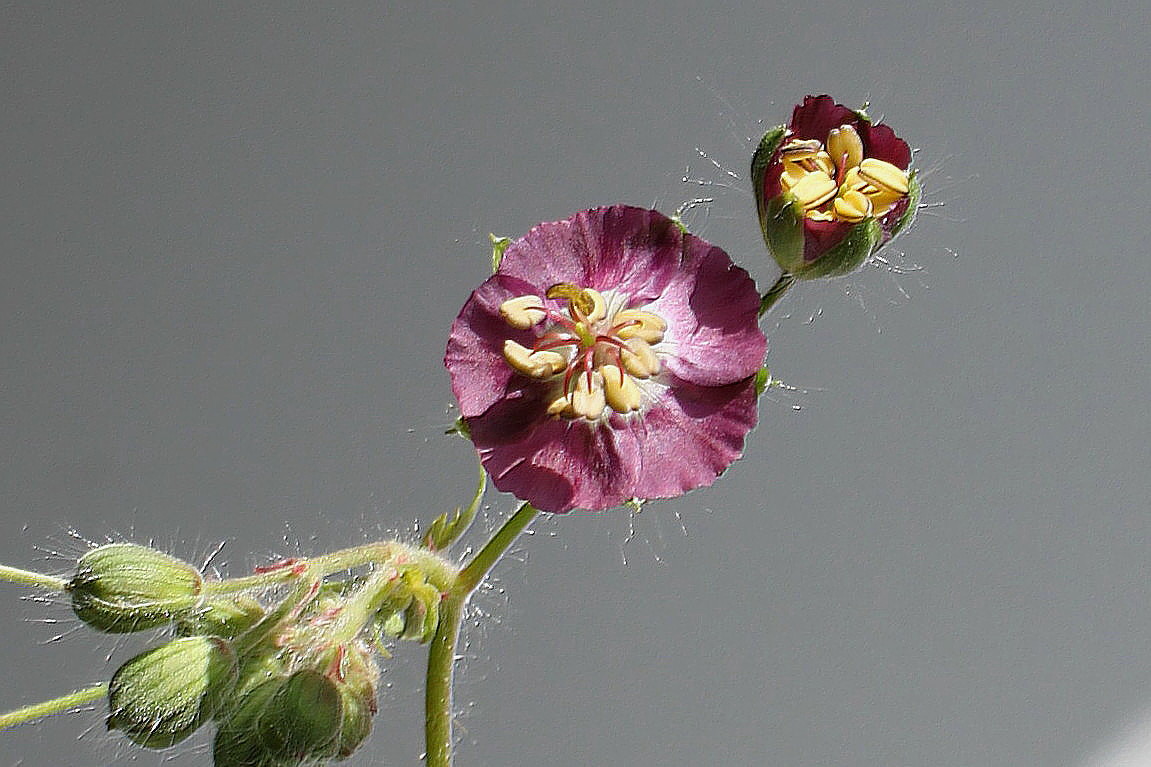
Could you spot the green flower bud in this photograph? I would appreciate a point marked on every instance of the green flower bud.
(124, 587)
(237, 743)
(163, 695)
(303, 717)
(223, 616)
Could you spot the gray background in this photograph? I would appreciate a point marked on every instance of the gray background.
(233, 238)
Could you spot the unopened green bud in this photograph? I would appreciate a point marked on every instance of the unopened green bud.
(225, 616)
(303, 717)
(124, 587)
(237, 741)
(310, 715)
(162, 696)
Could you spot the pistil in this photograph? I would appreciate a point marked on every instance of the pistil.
(594, 356)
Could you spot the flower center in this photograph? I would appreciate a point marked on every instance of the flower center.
(833, 181)
(595, 350)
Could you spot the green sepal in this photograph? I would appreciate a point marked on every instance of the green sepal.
(163, 695)
(761, 160)
(762, 380)
(358, 695)
(499, 245)
(237, 742)
(226, 615)
(781, 222)
(443, 530)
(303, 717)
(460, 427)
(914, 195)
(124, 587)
(393, 625)
(859, 243)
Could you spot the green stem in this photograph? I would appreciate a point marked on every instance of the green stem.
(439, 572)
(29, 578)
(483, 561)
(55, 706)
(442, 655)
(776, 292)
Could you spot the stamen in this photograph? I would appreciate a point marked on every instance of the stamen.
(852, 206)
(635, 323)
(800, 149)
(639, 359)
(844, 144)
(883, 175)
(620, 391)
(523, 312)
(814, 190)
(561, 406)
(540, 364)
(587, 399)
(824, 163)
(791, 175)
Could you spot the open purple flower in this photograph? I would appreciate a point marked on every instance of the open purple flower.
(612, 356)
(831, 188)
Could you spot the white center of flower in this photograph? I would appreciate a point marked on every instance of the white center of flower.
(833, 181)
(596, 351)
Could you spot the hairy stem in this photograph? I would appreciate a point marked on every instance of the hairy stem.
(442, 655)
(29, 578)
(776, 292)
(55, 706)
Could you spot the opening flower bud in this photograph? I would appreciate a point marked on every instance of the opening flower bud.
(124, 587)
(162, 696)
(831, 189)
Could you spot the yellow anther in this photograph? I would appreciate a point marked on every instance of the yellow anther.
(639, 359)
(820, 215)
(620, 390)
(587, 302)
(883, 175)
(800, 149)
(561, 406)
(852, 180)
(588, 400)
(535, 364)
(635, 323)
(882, 200)
(852, 206)
(824, 162)
(522, 312)
(814, 190)
(791, 175)
(845, 146)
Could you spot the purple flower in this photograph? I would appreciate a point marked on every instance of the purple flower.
(612, 356)
(831, 188)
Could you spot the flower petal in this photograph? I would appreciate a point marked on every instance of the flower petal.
(692, 436)
(712, 310)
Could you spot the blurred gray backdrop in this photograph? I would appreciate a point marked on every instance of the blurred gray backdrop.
(233, 236)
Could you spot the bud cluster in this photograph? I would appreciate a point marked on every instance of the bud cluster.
(288, 680)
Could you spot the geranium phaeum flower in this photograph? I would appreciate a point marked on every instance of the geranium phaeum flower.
(612, 356)
(831, 188)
